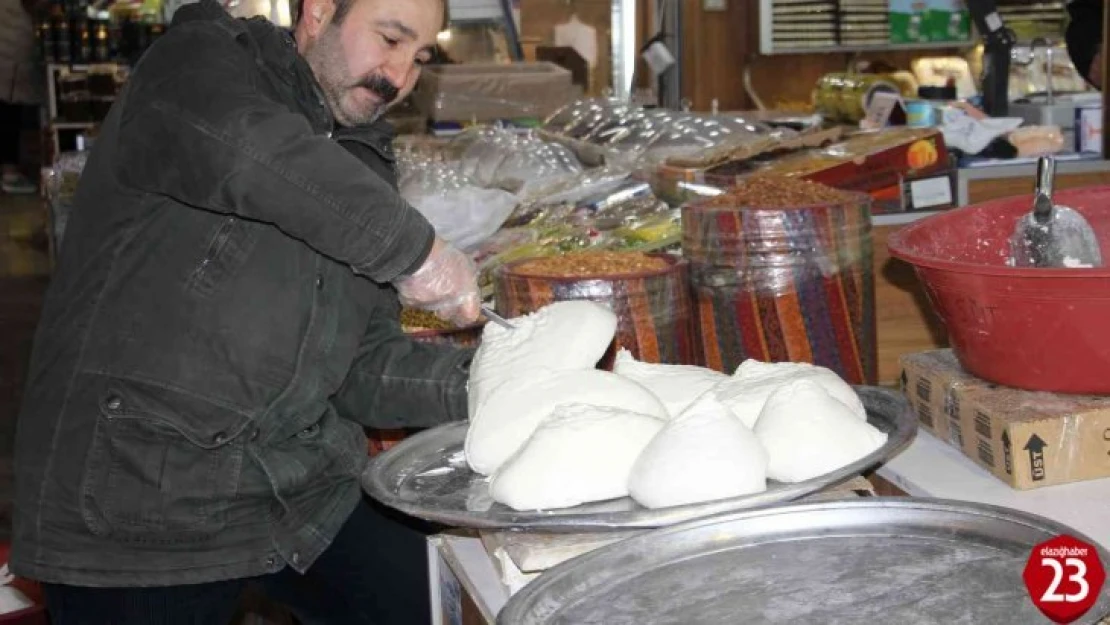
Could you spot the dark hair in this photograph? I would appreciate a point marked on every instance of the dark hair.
(342, 8)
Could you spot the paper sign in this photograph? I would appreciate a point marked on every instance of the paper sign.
(882, 110)
(931, 192)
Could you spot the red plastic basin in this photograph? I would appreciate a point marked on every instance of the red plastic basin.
(1036, 329)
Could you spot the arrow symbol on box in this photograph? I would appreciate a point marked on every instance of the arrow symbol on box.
(1035, 447)
(1007, 452)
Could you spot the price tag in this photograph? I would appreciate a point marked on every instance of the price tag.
(883, 109)
(1064, 577)
(931, 192)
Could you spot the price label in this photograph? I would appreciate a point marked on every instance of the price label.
(1064, 577)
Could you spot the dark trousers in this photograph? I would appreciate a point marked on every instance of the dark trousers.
(14, 119)
(374, 572)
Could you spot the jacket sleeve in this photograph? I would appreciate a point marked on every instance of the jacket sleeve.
(196, 127)
(396, 382)
(1084, 34)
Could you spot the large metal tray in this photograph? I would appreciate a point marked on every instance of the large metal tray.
(426, 476)
(897, 560)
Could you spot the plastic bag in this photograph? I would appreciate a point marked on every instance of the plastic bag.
(467, 216)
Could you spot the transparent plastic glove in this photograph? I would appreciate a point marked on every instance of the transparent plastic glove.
(446, 284)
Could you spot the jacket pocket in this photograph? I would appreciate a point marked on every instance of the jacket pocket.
(227, 250)
(163, 466)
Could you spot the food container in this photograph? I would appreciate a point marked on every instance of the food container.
(899, 560)
(655, 319)
(784, 284)
(426, 327)
(845, 97)
(1030, 328)
(467, 336)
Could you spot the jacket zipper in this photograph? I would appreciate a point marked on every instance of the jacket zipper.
(218, 244)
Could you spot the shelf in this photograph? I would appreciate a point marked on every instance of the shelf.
(73, 125)
(848, 49)
(84, 67)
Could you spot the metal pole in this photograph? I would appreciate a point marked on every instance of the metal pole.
(515, 49)
(670, 82)
(1105, 69)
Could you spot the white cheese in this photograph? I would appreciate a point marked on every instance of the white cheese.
(807, 432)
(677, 386)
(559, 337)
(578, 454)
(754, 381)
(510, 414)
(704, 454)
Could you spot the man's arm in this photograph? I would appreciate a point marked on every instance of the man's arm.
(396, 382)
(1084, 38)
(196, 127)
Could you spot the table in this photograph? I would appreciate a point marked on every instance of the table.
(931, 468)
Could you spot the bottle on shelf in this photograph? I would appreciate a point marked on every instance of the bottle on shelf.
(63, 42)
(101, 48)
(81, 50)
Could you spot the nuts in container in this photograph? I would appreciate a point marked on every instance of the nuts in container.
(762, 191)
(425, 327)
(782, 270)
(649, 293)
(413, 320)
(586, 264)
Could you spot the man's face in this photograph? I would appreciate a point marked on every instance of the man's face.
(372, 58)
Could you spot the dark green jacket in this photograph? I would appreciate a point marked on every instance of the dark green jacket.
(1084, 35)
(220, 326)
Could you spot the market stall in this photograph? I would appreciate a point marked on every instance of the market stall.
(728, 332)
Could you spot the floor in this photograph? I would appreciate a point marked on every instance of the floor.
(24, 270)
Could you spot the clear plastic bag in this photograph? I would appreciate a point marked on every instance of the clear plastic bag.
(60, 187)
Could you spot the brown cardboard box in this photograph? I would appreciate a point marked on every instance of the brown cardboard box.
(882, 165)
(491, 91)
(1026, 439)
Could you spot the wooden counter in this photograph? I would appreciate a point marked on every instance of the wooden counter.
(905, 320)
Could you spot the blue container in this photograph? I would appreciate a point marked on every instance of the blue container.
(920, 114)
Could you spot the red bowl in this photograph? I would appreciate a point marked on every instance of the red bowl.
(1035, 329)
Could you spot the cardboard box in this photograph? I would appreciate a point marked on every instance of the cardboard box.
(486, 92)
(883, 164)
(1026, 439)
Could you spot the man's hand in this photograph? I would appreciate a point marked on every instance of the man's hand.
(446, 284)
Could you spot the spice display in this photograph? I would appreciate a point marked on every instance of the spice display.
(654, 314)
(779, 192)
(591, 264)
(777, 284)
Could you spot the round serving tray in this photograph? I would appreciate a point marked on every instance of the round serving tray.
(426, 476)
(875, 560)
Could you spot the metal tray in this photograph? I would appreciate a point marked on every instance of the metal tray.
(426, 476)
(897, 560)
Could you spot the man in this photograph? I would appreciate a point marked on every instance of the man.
(20, 91)
(1084, 38)
(223, 322)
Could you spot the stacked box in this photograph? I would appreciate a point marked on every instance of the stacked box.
(1026, 439)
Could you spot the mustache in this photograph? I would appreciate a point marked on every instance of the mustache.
(381, 87)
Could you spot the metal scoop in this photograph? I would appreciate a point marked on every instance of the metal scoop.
(1053, 236)
(496, 318)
